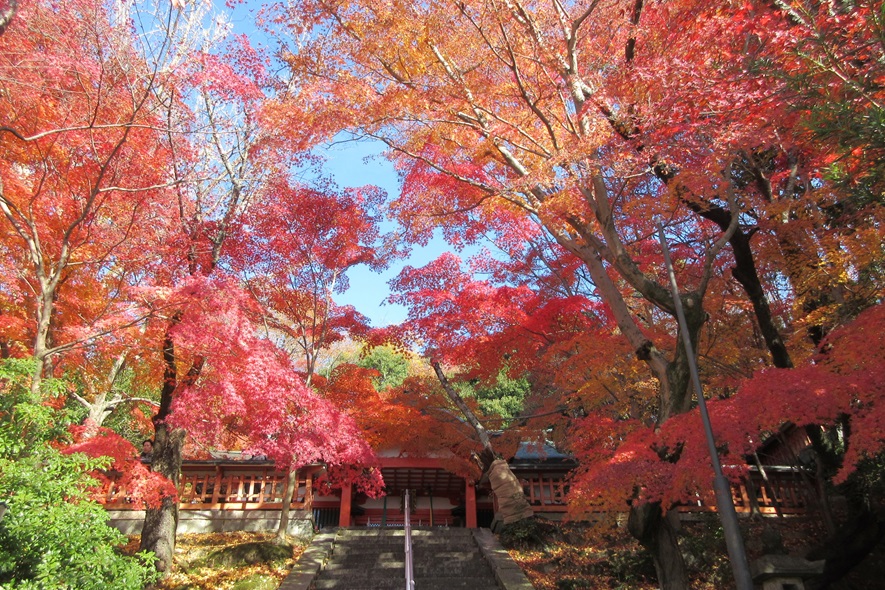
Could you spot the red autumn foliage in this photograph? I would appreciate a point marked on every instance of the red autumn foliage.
(126, 471)
(250, 392)
(846, 379)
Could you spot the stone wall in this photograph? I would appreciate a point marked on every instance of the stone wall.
(220, 521)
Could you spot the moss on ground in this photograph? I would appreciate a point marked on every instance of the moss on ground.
(228, 561)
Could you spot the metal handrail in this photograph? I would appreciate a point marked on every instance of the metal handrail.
(410, 574)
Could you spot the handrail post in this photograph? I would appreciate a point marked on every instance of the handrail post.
(410, 576)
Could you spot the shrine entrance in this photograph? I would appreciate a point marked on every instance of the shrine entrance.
(439, 498)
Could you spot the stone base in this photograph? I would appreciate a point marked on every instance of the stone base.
(220, 521)
(784, 572)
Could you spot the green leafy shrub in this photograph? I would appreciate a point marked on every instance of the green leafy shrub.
(51, 535)
(526, 533)
(631, 567)
(704, 549)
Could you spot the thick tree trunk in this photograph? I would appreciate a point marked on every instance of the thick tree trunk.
(654, 532)
(160, 524)
(850, 545)
(513, 506)
(6, 13)
(673, 398)
(512, 503)
(678, 371)
(158, 534)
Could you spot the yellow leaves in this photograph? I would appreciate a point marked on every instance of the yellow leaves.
(582, 555)
(192, 568)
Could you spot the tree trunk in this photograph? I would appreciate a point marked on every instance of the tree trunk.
(848, 547)
(288, 493)
(513, 506)
(6, 14)
(678, 370)
(654, 532)
(673, 398)
(512, 503)
(160, 524)
(42, 364)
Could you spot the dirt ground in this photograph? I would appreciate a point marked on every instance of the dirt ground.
(602, 555)
(555, 556)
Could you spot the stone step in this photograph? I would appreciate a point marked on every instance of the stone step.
(423, 530)
(448, 570)
(368, 560)
(401, 540)
(373, 559)
(446, 550)
(386, 564)
(399, 535)
(418, 548)
(399, 547)
(422, 583)
(376, 541)
(340, 551)
(365, 564)
(425, 554)
(399, 574)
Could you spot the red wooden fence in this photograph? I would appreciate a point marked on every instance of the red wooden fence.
(208, 486)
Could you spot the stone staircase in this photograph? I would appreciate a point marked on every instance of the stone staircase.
(368, 559)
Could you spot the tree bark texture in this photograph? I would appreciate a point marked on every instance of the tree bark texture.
(7, 13)
(291, 484)
(513, 506)
(512, 503)
(160, 524)
(654, 532)
(678, 371)
(673, 398)
(851, 544)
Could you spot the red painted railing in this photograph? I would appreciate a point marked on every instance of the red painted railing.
(230, 487)
(259, 486)
(545, 492)
(787, 490)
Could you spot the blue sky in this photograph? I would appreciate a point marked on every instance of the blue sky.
(358, 163)
(352, 164)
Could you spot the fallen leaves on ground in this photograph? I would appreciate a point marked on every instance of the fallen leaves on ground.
(194, 570)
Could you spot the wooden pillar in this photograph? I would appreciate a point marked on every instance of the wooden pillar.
(470, 505)
(308, 491)
(346, 499)
(216, 493)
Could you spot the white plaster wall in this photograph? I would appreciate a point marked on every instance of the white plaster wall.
(217, 521)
